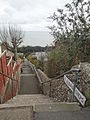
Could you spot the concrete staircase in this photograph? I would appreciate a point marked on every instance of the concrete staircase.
(31, 105)
(26, 107)
(41, 103)
(29, 83)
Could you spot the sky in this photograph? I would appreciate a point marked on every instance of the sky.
(30, 15)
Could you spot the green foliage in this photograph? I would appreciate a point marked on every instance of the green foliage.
(57, 62)
(38, 63)
(71, 26)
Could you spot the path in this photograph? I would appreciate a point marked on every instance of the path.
(28, 83)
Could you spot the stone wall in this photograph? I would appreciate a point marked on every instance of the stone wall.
(45, 87)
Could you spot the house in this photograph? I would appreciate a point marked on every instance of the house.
(41, 55)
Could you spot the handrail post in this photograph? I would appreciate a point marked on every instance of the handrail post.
(0, 100)
(12, 88)
(2, 71)
(42, 88)
(75, 81)
(50, 92)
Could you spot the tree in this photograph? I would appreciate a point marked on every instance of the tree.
(71, 26)
(4, 37)
(16, 37)
(12, 36)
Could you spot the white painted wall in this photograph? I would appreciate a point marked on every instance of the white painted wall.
(40, 54)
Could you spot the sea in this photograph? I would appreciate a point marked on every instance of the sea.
(37, 38)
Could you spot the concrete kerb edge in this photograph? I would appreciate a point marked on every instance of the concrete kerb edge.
(7, 106)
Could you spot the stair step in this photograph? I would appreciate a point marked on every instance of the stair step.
(16, 113)
(27, 70)
(63, 115)
(23, 75)
(55, 107)
(42, 103)
(23, 107)
(29, 84)
(30, 99)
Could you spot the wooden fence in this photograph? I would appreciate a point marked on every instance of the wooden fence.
(8, 69)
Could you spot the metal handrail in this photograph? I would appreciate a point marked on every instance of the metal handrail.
(8, 76)
(57, 78)
(54, 79)
(49, 81)
(11, 79)
(74, 70)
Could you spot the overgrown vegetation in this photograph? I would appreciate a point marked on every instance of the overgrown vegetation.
(71, 27)
(39, 63)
